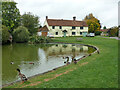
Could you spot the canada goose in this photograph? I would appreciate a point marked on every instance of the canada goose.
(22, 76)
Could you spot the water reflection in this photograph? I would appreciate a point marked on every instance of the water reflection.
(44, 56)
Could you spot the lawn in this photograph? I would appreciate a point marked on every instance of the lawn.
(96, 71)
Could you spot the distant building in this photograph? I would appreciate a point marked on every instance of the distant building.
(63, 28)
(104, 32)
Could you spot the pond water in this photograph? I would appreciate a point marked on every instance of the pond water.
(44, 56)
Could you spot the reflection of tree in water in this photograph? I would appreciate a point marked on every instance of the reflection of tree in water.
(60, 50)
(81, 49)
(90, 50)
(73, 49)
(44, 46)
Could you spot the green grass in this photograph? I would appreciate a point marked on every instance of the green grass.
(96, 71)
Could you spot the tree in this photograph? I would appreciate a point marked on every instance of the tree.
(10, 15)
(91, 28)
(91, 20)
(104, 27)
(113, 31)
(21, 34)
(5, 34)
(31, 22)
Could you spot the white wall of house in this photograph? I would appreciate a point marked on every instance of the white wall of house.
(69, 30)
(39, 33)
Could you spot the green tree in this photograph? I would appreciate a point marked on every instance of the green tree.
(91, 28)
(10, 15)
(5, 34)
(91, 20)
(21, 34)
(104, 27)
(31, 22)
(113, 31)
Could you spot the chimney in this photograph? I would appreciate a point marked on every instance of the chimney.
(74, 18)
(46, 17)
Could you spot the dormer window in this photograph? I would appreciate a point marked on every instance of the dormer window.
(73, 27)
(53, 27)
(60, 27)
(81, 27)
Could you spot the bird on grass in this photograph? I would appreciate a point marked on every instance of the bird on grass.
(98, 51)
(11, 62)
(22, 76)
(75, 61)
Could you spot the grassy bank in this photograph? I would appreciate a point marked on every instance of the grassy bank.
(96, 71)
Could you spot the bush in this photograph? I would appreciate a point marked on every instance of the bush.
(21, 34)
(98, 33)
(5, 34)
(39, 39)
(113, 32)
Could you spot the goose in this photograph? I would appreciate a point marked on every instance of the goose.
(22, 76)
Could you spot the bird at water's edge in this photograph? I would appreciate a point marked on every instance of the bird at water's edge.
(22, 76)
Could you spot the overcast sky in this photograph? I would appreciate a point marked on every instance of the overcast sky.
(105, 10)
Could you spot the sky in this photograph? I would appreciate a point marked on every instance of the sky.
(105, 10)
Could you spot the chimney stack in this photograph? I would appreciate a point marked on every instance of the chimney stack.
(74, 18)
(46, 17)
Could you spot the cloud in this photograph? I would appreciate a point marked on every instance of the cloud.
(105, 10)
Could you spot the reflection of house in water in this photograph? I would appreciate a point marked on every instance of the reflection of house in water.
(66, 49)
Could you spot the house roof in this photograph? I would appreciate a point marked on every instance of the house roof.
(104, 30)
(61, 22)
(43, 29)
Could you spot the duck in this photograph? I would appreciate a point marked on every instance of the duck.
(31, 63)
(73, 58)
(22, 76)
(11, 62)
(67, 59)
(75, 61)
(98, 51)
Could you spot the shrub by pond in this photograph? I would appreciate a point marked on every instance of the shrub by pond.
(38, 39)
(21, 34)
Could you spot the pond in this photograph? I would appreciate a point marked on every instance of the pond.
(37, 59)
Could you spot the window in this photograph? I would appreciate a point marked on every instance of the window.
(73, 33)
(81, 27)
(60, 27)
(56, 33)
(80, 33)
(73, 27)
(53, 27)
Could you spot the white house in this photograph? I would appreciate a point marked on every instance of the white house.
(63, 28)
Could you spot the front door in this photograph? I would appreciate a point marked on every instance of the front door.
(64, 34)
(44, 33)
